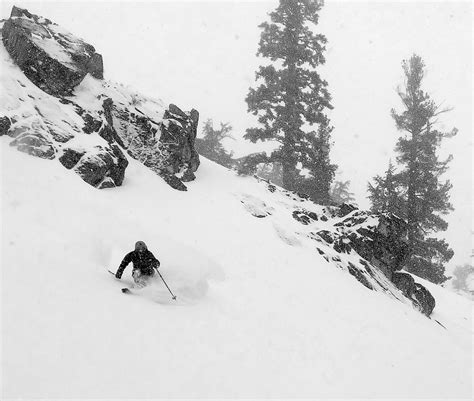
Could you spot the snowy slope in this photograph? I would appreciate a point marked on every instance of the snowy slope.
(259, 312)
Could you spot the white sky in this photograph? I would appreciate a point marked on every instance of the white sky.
(202, 55)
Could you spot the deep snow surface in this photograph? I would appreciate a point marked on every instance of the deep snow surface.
(259, 313)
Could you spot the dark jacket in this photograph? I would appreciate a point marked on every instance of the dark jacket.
(144, 261)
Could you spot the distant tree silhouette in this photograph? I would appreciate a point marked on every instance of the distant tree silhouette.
(210, 146)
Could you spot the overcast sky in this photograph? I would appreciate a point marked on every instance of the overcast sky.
(202, 55)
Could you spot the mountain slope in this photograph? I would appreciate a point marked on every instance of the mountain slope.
(255, 316)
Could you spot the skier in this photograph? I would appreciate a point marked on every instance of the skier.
(144, 264)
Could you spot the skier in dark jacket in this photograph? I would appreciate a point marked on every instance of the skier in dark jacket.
(144, 264)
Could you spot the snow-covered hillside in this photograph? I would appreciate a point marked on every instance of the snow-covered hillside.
(259, 313)
(276, 296)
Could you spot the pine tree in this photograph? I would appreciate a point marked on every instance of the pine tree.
(210, 146)
(423, 198)
(386, 194)
(340, 193)
(292, 96)
(317, 162)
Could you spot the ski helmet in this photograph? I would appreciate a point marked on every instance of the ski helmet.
(140, 245)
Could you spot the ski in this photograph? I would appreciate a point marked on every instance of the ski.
(125, 290)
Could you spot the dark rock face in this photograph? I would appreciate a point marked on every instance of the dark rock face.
(95, 66)
(178, 134)
(424, 298)
(166, 147)
(345, 209)
(404, 282)
(5, 125)
(383, 243)
(90, 124)
(52, 58)
(305, 217)
(300, 216)
(188, 176)
(104, 167)
(357, 273)
(420, 296)
(326, 236)
(71, 157)
(174, 182)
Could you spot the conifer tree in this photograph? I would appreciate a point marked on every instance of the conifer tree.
(340, 193)
(424, 197)
(386, 194)
(291, 96)
(317, 162)
(210, 146)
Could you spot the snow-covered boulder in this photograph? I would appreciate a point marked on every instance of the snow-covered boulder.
(101, 167)
(52, 58)
(419, 294)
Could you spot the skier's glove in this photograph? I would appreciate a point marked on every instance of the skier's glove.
(118, 275)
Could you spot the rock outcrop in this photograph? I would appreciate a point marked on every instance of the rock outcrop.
(371, 247)
(421, 297)
(381, 242)
(380, 239)
(166, 147)
(51, 57)
(66, 111)
(101, 167)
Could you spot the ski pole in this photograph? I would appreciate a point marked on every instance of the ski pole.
(174, 296)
